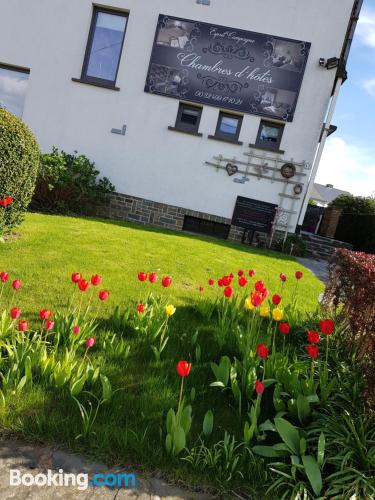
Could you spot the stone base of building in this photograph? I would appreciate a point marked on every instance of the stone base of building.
(151, 213)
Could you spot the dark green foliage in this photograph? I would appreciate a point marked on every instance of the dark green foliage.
(293, 245)
(19, 163)
(68, 183)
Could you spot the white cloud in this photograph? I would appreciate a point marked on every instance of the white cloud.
(366, 28)
(348, 167)
(369, 86)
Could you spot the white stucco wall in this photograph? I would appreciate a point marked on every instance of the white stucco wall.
(50, 36)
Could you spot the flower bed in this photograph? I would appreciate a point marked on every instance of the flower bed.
(267, 402)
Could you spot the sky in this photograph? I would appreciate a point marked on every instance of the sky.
(348, 160)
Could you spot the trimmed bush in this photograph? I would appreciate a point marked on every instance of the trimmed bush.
(68, 183)
(293, 245)
(19, 164)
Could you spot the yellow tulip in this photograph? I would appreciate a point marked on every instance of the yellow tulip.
(264, 311)
(170, 310)
(277, 314)
(249, 305)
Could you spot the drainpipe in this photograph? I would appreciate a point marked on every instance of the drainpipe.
(319, 153)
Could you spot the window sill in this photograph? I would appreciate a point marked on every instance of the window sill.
(174, 129)
(256, 146)
(223, 139)
(96, 84)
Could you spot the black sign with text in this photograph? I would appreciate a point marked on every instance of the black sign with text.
(254, 214)
(226, 67)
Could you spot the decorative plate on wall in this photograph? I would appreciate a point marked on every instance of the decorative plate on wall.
(288, 170)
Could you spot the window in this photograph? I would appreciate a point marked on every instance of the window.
(13, 87)
(188, 119)
(228, 127)
(104, 47)
(269, 135)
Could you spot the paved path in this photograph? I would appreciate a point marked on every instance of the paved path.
(318, 267)
(30, 459)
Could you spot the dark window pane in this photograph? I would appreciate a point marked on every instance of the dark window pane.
(228, 125)
(13, 87)
(269, 133)
(106, 46)
(190, 116)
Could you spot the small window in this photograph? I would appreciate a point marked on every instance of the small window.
(269, 135)
(13, 87)
(228, 126)
(104, 46)
(188, 118)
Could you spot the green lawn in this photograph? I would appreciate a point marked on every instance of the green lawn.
(49, 248)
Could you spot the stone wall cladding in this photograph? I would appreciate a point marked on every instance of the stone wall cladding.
(152, 213)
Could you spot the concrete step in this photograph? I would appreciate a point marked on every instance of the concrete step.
(322, 247)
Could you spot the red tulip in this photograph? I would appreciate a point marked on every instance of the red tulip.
(211, 282)
(257, 298)
(90, 342)
(15, 313)
(76, 277)
(23, 326)
(183, 368)
(96, 279)
(262, 351)
(312, 351)
(242, 281)
(259, 286)
(103, 294)
(166, 281)
(220, 282)
(240, 273)
(284, 328)
(4, 202)
(299, 275)
(231, 275)
(152, 278)
(259, 387)
(227, 280)
(76, 330)
(276, 299)
(282, 277)
(327, 326)
(45, 313)
(141, 308)
(49, 324)
(313, 337)
(142, 276)
(4, 277)
(251, 273)
(16, 284)
(83, 285)
(228, 291)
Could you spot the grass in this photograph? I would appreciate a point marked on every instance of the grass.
(130, 429)
(50, 248)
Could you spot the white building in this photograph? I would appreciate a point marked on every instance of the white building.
(249, 83)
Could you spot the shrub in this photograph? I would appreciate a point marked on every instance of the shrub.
(351, 291)
(69, 183)
(293, 245)
(19, 163)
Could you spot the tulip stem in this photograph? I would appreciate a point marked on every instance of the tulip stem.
(180, 401)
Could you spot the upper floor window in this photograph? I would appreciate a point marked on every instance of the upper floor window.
(13, 87)
(228, 126)
(104, 46)
(269, 135)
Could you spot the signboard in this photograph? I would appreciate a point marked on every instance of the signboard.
(254, 214)
(226, 67)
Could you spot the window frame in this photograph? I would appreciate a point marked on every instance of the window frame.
(94, 19)
(223, 135)
(270, 146)
(17, 69)
(182, 127)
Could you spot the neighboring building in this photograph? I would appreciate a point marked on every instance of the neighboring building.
(249, 83)
(323, 195)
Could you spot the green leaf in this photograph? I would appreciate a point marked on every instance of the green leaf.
(106, 386)
(179, 439)
(269, 451)
(22, 383)
(313, 473)
(222, 370)
(192, 394)
(208, 423)
(321, 449)
(198, 353)
(77, 386)
(28, 373)
(288, 433)
(303, 408)
(171, 420)
(302, 446)
(267, 426)
(168, 443)
(2, 399)
(217, 384)
(186, 419)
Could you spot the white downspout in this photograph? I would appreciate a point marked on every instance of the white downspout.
(319, 153)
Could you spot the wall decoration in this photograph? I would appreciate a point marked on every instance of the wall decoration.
(231, 169)
(254, 214)
(298, 188)
(227, 67)
(288, 170)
